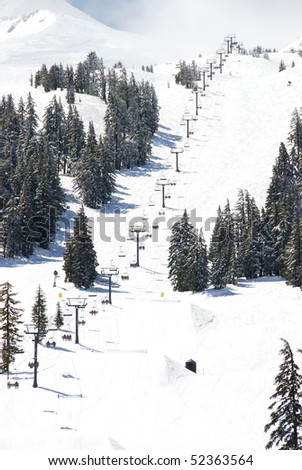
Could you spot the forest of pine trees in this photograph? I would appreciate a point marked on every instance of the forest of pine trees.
(132, 114)
(188, 264)
(31, 184)
(33, 154)
(87, 78)
(187, 74)
(248, 242)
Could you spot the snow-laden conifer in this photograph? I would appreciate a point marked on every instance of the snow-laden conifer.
(80, 260)
(187, 257)
(286, 415)
(10, 321)
(38, 314)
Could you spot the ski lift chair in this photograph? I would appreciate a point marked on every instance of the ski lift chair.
(13, 384)
(122, 253)
(32, 364)
(125, 276)
(133, 264)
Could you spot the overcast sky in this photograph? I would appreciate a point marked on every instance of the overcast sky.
(200, 25)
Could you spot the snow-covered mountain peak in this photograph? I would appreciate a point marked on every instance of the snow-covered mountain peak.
(37, 31)
(28, 24)
(19, 8)
(29, 13)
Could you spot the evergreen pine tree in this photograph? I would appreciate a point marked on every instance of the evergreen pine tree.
(278, 215)
(80, 260)
(247, 236)
(21, 112)
(282, 66)
(48, 196)
(88, 180)
(26, 213)
(44, 79)
(102, 82)
(10, 321)
(81, 79)
(107, 172)
(116, 120)
(293, 255)
(69, 84)
(39, 317)
(10, 130)
(218, 268)
(12, 229)
(75, 139)
(197, 263)
(295, 138)
(149, 106)
(181, 245)
(222, 253)
(54, 128)
(93, 65)
(240, 219)
(286, 417)
(59, 321)
(30, 123)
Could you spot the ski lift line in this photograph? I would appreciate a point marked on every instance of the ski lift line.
(181, 196)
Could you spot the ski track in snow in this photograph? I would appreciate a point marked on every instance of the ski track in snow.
(125, 384)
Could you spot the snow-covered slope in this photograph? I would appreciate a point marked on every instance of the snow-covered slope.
(293, 46)
(125, 385)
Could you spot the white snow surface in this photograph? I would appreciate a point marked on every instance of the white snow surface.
(124, 386)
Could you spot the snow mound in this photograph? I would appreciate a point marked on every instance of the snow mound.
(27, 25)
(175, 370)
(115, 445)
(201, 317)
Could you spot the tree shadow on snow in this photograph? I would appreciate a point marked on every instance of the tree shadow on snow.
(166, 139)
(225, 292)
(242, 283)
(40, 256)
(263, 279)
